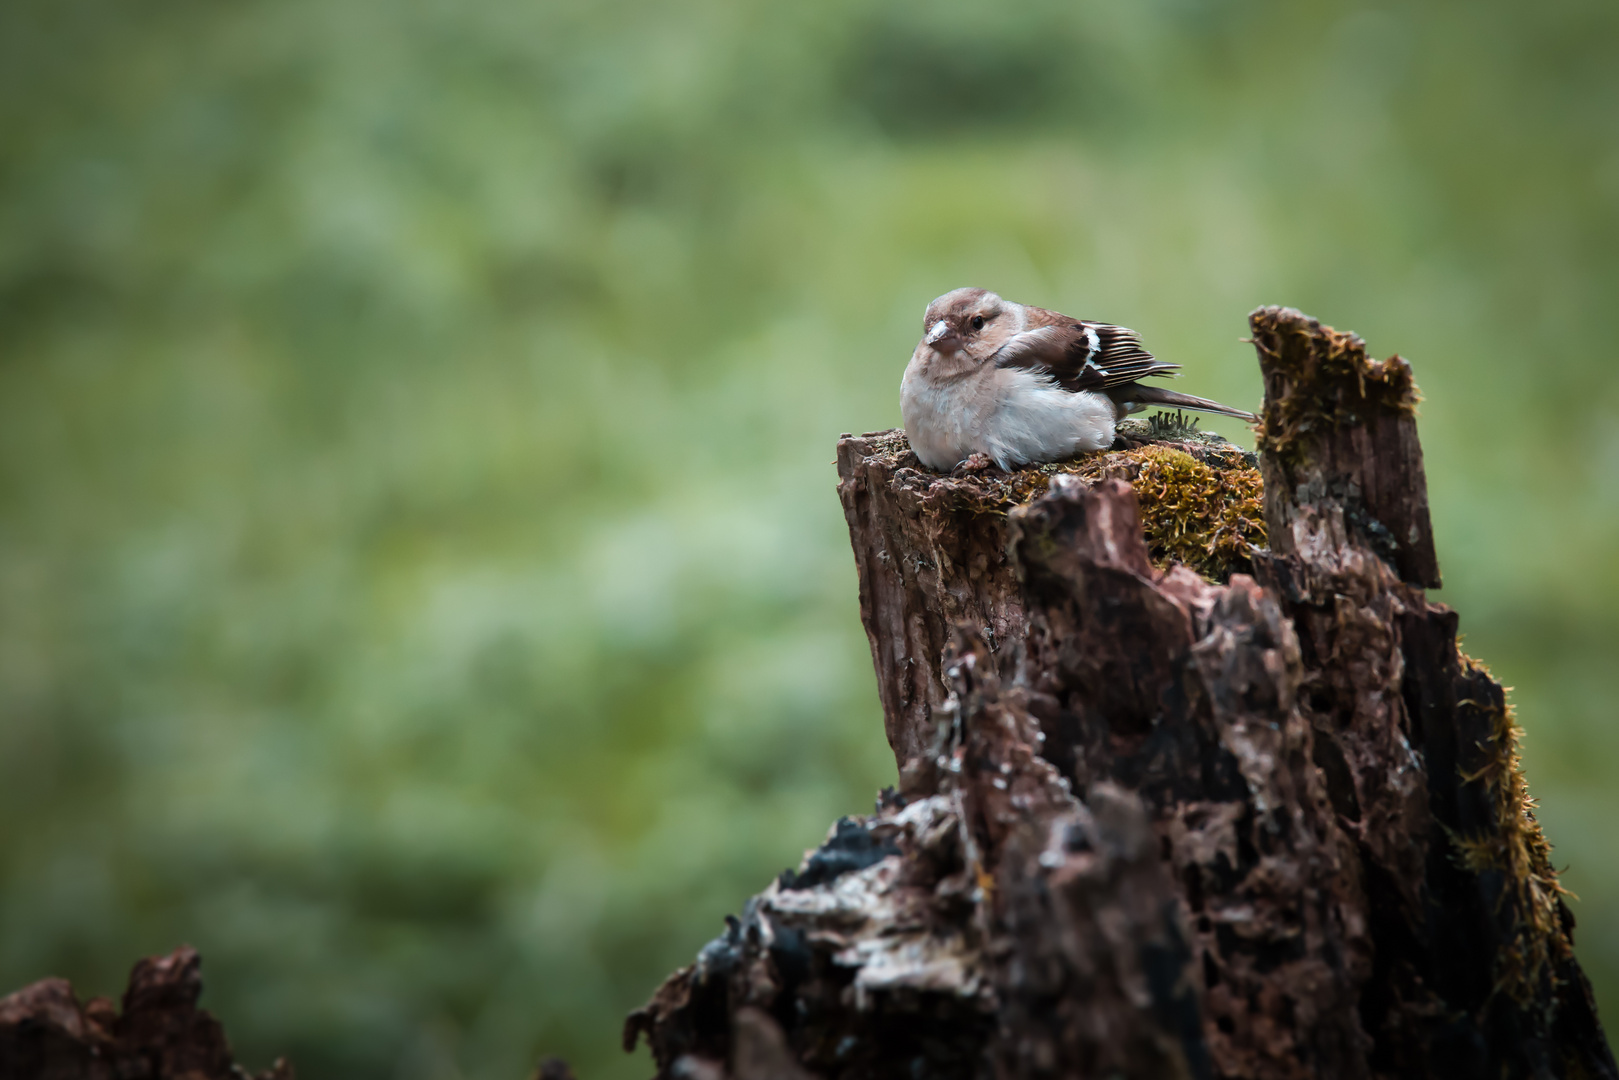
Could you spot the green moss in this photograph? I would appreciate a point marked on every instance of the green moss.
(1192, 512)
(1206, 514)
(1518, 849)
(1176, 427)
(1321, 378)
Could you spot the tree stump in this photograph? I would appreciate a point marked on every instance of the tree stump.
(1171, 803)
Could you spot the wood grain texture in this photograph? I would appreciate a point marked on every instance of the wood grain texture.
(1339, 447)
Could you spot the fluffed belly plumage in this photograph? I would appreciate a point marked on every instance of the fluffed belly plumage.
(1014, 417)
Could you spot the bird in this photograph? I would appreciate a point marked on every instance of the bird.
(1022, 385)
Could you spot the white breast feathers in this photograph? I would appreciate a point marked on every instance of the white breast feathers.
(1013, 415)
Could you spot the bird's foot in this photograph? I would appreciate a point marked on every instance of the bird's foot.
(974, 463)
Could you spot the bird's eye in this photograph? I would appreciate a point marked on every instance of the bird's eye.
(978, 322)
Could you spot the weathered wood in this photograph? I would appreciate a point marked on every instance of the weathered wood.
(1474, 971)
(931, 551)
(1153, 824)
(931, 554)
(907, 939)
(160, 1034)
(1185, 692)
(1339, 446)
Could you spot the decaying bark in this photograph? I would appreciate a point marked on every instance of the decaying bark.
(1152, 824)
(160, 1034)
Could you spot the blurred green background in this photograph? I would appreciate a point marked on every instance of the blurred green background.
(422, 586)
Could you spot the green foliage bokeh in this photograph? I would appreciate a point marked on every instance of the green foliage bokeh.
(422, 586)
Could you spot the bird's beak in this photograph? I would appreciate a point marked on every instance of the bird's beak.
(940, 333)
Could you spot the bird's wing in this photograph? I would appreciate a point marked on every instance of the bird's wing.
(1082, 355)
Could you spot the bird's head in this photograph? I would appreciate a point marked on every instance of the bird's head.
(971, 320)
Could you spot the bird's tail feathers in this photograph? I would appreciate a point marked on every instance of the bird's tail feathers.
(1156, 395)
